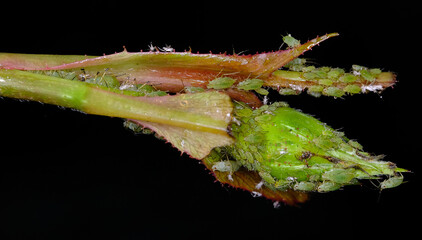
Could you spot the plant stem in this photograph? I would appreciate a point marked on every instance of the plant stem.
(97, 100)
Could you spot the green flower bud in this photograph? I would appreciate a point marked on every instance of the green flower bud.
(290, 149)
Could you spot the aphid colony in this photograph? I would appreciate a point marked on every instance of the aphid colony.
(215, 115)
(326, 81)
(292, 150)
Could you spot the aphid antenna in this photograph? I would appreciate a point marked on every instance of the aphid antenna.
(282, 44)
(228, 74)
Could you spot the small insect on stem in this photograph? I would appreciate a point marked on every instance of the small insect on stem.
(291, 41)
(391, 182)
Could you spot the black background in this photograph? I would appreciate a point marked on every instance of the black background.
(68, 175)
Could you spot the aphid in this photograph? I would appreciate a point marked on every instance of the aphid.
(250, 84)
(348, 78)
(288, 91)
(355, 144)
(267, 177)
(315, 90)
(339, 175)
(245, 112)
(304, 186)
(328, 186)
(367, 75)
(226, 166)
(392, 182)
(104, 80)
(320, 73)
(325, 82)
(310, 75)
(136, 128)
(194, 89)
(335, 73)
(352, 89)
(375, 71)
(296, 65)
(221, 83)
(308, 69)
(263, 118)
(255, 138)
(333, 91)
(262, 91)
(291, 41)
(358, 68)
(325, 69)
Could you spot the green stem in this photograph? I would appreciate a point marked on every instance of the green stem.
(97, 100)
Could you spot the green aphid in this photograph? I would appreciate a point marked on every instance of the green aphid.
(282, 185)
(375, 71)
(263, 118)
(194, 89)
(258, 156)
(304, 186)
(328, 186)
(147, 90)
(358, 68)
(296, 64)
(291, 41)
(221, 83)
(346, 147)
(136, 128)
(316, 88)
(333, 92)
(325, 69)
(287, 91)
(310, 75)
(105, 81)
(308, 69)
(314, 94)
(320, 73)
(296, 68)
(144, 88)
(245, 112)
(277, 105)
(249, 157)
(226, 166)
(392, 182)
(255, 138)
(267, 177)
(355, 144)
(325, 82)
(157, 93)
(352, 89)
(296, 61)
(262, 91)
(250, 84)
(367, 75)
(339, 175)
(70, 75)
(348, 78)
(335, 73)
(323, 142)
